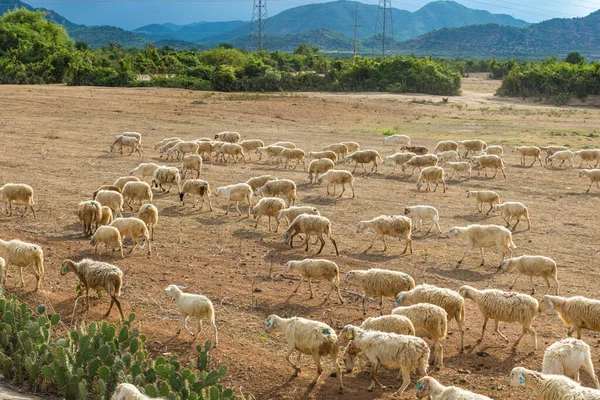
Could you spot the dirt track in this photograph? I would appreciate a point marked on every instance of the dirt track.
(56, 139)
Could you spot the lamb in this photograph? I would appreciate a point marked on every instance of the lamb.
(23, 255)
(389, 349)
(445, 145)
(107, 187)
(194, 306)
(458, 167)
(432, 174)
(215, 146)
(136, 135)
(127, 141)
(493, 150)
(291, 213)
(340, 149)
(126, 391)
(587, 156)
(241, 192)
(120, 183)
(550, 387)
(164, 141)
(397, 159)
(89, 213)
(513, 209)
(430, 321)
(418, 150)
(228, 136)
(107, 216)
(308, 337)
(292, 154)
(567, 357)
(533, 266)
(251, 145)
(484, 196)
(318, 155)
(196, 187)
(191, 163)
(391, 225)
(563, 155)
(167, 146)
(144, 170)
(259, 181)
(337, 177)
(418, 162)
(380, 283)
(419, 213)
(287, 145)
(233, 152)
(166, 175)
(205, 149)
(110, 236)
(20, 193)
(352, 146)
(504, 307)
(136, 191)
(483, 236)
(310, 225)
(474, 146)
(430, 388)
(316, 269)
(449, 300)
(134, 228)
(97, 275)
(149, 214)
(364, 156)
(317, 167)
(280, 188)
(397, 139)
(269, 151)
(491, 161)
(576, 312)
(446, 156)
(113, 200)
(529, 151)
(593, 175)
(269, 206)
(550, 150)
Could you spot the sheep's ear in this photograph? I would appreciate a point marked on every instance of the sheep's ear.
(550, 303)
(521, 378)
(64, 269)
(463, 293)
(180, 287)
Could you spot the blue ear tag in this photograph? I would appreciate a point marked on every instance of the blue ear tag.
(521, 379)
(268, 323)
(419, 385)
(326, 331)
(398, 301)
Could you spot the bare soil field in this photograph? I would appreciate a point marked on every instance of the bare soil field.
(57, 139)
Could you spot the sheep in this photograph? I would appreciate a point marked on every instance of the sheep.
(194, 306)
(228, 136)
(287, 145)
(491, 161)
(458, 167)
(89, 213)
(418, 162)
(341, 150)
(165, 147)
(196, 187)
(107, 216)
(291, 213)
(241, 192)
(429, 321)
(205, 149)
(110, 236)
(446, 156)
(182, 148)
(308, 337)
(418, 150)
(269, 206)
(337, 177)
(216, 146)
(251, 145)
(448, 299)
(318, 155)
(567, 357)
(533, 266)
(149, 214)
(292, 154)
(563, 155)
(310, 225)
(97, 275)
(352, 146)
(136, 135)
(270, 152)
(164, 141)
(430, 388)
(280, 188)
(587, 156)
(473, 146)
(113, 200)
(23, 255)
(166, 175)
(504, 307)
(445, 145)
(512, 209)
(127, 141)
(136, 191)
(550, 150)
(233, 151)
(593, 175)
(389, 349)
(550, 387)
(259, 181)
(484, 196)
(483, 236)
(126, 391)
(18, 192)
(529, 151)
(576, 312)
(134, 228)
(120, 183)
(397, 139)
(380, 283)
(398, 159)
(106, 187)
(144, 170)
(316, 269)
(317, 167)
(398, 324)
(364, 156)
(419, 213)
(391, 225)
(432, 174)
(191, 163)
(493, 150)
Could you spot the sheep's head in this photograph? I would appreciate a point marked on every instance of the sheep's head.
(181, 194)
(507, 264)
(545, 304)
(258, 191)
(400, 298)
(453, 232)
(350, 356)
(271, 323)
(92, 242)
(67, 267)
(404, 166)
(288, 266)
(216, 136)
(286, 238)
(173, 290)
(516, 148)
(464, 291)
(254, 210)
(423, 387)
(349, 277)
(219, 191)
(361, 227)
(517, 377)
(469, 194)
(348, 333)
(495, 209)
(419, 185)
(581, 173)
(112, 148)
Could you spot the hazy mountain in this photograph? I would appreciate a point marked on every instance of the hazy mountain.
(196, 32)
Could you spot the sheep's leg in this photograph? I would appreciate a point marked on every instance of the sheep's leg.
(439, 358)
(485, 321)
(276, 226)
(317, 359)
(121, 249)
(515, 281)
(463, 257)
(10, 207)
(405, 382)
(185, 325)
(518, 220)
(482, 258)
(437, 225)
(497, 330)
(343, 190)
(311, 289)
(363, 305)
(352, 187)
(372, 242)
(237, 207)
(491, 208)
(337, 252)
(394, 170)
(87, 298)
(334, 188)
(328, 189)
(374, 381)
(533, 286)
(258, 219)
(384, 243)
(291, 349)
(209, 203)
(408, 244)
(355, 165)
(557, 285)
(589, 368)
(462, 335)
(528, 223)
(21, 274)
(299, 283)
(589, 187)
(480, 209)
(322, 243)
(337, 287)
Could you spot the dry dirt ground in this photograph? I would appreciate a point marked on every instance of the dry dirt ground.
(57, 139)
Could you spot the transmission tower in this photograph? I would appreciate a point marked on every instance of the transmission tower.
(385, 28)
(258, 27)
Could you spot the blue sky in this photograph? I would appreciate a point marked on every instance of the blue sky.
(130, 14)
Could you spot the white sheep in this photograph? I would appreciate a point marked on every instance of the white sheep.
(205, 149)
(490, 161)
(363, 157)
(166, 176)
(196, 187)
(395, 139)
(458, 167)
(18, 192)
(97, 275)
(340, 149)
(418, 162)
(259, 181)
(23, 255)
(194, 306)
(474, 146)
(529, 151)
(429, 175)
(136, 191)
(593, 175)
(484, 197)
(576, 312)
(533, 266)
(291, 213)
(493, 150)
(107, 187)
(562, 156)
(316, 269)
(550, 150)
(420, 213)
(504, 307)
(445, 145)
(228, 136)
(134, 228)
(352, 146)
(127, 141)
(191, 163)
(270, 207)
(429, 388)
(241, 192)
(249, 145)
(107, 216)
(380, 283)
(483, 236)
(449, 155)
(337, 177)
(588, 155)
(144, 170)
(285, 188)
(397, 159)
(120, 183)
(270, 152)
(310, 225)
(287, 145)
(165, 141)
(233, 151)
(550, 387)
(89, 213)
(397, 226)
(308, 337)
(317, 167)
(292, 154)
(319, 155)
(136, 135)
(567, 357)
(113, 200)
(149, 214)
(165, 147)
(398, 324)
(110, 236)
(512, 209)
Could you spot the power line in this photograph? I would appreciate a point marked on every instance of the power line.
(258, 26)
(384, 26)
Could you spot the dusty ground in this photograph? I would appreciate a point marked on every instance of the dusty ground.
(56, 139)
